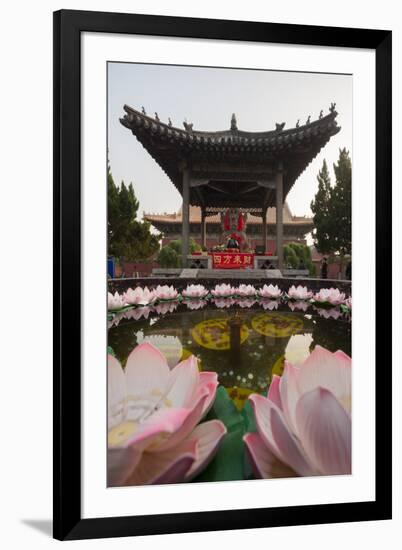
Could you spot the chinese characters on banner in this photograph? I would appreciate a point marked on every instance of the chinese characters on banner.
(232, 260)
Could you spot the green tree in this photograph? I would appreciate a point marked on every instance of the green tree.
(322, 232)
(290, 257)
(341, 204)
(295, 254)
(127, 237)
(332, 208)
(170, 255)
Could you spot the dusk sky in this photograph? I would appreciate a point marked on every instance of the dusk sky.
(207, 97)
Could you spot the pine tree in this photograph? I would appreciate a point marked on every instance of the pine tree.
(127, 237)
(322, 233)
(332, 209)
(341, 203)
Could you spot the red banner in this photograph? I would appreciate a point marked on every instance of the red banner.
(232, 260)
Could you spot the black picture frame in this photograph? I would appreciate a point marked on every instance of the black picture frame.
(68, 26)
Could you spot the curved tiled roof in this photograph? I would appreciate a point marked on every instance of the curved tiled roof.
(195, 217)
(295, 148)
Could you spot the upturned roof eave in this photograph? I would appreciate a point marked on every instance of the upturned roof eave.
(152, 125)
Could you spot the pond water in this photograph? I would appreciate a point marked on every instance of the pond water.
(245, 346)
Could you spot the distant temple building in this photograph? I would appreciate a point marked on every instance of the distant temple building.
(295, 227)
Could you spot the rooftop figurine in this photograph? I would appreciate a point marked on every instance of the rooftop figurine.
(143, 110)
(279, 127)
(233, 122)
(169, 122)
(308, 120)
(157, 117)
(321, 114)
(298, 123)
(332, 107)
(188, 126)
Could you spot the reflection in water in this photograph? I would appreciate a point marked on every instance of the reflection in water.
(298, 348)
(170, 346)
(244, 346)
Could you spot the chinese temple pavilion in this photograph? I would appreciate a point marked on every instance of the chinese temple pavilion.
(229, 170)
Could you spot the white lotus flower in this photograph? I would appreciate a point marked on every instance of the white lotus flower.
(245, 291)
(166, 292)
(153, 415)
(223, 291)
(139, 296)
(299, 293)
(195, 291)
(331, 296)
(270, 291)
(114, 301)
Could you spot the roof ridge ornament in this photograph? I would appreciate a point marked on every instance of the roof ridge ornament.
(321, 114)
(188, 126)
(279, 127)
(143, 111)
(233, 123)
(157, 117)
(332, 107)
(308, 121)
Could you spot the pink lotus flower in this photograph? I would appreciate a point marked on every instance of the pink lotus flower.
(330, 296)
(195, 291)
(333, 313)
(139, 296)
(224, 302)
(153, 414)
(269, 304)
(270, 291)
(299, 293)
(348, 302)
(166, 292)
(115, 301)
(245, 291)
(223, 291)
(304, 424)
(301, 305)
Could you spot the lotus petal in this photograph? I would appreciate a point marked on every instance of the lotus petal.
(208, 437)
(264, 463)
(120, 464)
(167, 467)
(157, 428)
(193, 416)
(275, 434)
(274, 391)
(325, 429)
(289, 392)
(327, 370)
(116, 392)
(183, 381)
(147, 372)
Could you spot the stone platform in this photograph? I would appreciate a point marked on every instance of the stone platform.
(230, 274)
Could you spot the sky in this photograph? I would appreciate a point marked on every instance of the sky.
(207, 97)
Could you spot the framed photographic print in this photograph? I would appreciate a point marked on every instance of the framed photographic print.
(214, 183)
